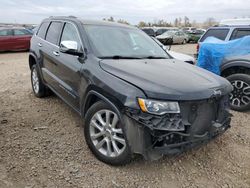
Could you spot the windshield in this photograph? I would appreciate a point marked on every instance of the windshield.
(109, 41)
(169, 33)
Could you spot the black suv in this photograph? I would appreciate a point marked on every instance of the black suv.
(134, 98)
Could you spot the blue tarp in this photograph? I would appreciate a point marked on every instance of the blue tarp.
(212, 52)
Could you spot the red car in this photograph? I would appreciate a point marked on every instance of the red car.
(14, 39)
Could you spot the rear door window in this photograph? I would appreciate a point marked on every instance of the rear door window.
(42, 30)
(218, 33)
(53, 32)
(239, 33)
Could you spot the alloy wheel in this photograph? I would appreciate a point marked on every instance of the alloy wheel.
(35, 81)
(106, 133)
(240, 96)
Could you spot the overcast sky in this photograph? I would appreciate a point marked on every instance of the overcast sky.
(33, 11)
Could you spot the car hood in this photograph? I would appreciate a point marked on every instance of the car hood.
(180, 56)
(168, 79)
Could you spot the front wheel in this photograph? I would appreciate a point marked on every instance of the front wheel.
(105, 135)
(38, 87)
(240, 96)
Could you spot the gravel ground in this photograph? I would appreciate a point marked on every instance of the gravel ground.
(42, 145)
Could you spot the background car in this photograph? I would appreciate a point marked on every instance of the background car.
(194, 36)
(237, 68)
(160, 31)
(225, 33)
(176, 55)
(149, 31)
(189, 29)
(14, 39)
(178, 37)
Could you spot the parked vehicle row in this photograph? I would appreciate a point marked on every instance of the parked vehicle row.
(133, 96)
(174, 35)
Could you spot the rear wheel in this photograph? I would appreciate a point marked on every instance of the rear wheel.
(184, 41)
(104, 135)
(240, 96)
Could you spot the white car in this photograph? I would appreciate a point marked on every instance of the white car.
(176, 55)
(182, 57)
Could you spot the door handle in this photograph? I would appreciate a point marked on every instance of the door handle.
(39, 44)
(56, 53)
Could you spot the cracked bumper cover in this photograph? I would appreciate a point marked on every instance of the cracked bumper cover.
(154, 136)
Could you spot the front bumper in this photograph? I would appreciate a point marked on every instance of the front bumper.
(154, 136)
(193, 140)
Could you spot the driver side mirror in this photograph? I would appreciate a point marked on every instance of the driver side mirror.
(70, 47)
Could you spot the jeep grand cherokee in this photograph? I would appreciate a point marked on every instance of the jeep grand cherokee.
(134, 98)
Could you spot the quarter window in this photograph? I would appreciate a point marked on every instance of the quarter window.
(42, 30)
(54, 32)
(218, 33)
(239, 33)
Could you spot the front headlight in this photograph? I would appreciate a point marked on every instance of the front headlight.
(158, 107)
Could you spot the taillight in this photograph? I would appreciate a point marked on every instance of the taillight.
(197, 47)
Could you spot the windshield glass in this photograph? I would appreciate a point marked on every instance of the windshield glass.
(169, 33)
(109, 41)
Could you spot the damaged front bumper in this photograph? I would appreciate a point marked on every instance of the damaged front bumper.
(192, 140)
(199, 121)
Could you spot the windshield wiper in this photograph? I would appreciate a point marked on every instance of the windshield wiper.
(155, 57)
(119, 57)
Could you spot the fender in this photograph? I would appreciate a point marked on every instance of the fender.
(102, 97)
(235, 63)
(33, 54)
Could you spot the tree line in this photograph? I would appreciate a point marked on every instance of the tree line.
(178, 22)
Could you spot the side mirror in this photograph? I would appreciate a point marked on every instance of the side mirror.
(70, 47)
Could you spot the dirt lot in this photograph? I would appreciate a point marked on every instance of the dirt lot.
(42, 145)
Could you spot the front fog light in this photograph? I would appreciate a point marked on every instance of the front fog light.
(158, 107)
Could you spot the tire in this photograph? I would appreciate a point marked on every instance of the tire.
(98, 135)
(240, 96)
(184, 41)
(38, 87)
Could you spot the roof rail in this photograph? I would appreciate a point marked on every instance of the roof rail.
(235, 22)
(70, 16)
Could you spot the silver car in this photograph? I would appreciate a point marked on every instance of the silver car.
(179, 37)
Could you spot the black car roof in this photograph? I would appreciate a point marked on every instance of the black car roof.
(88, 22)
